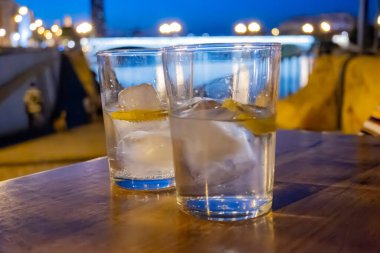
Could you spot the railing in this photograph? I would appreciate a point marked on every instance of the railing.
(19, 70)
(294, 73)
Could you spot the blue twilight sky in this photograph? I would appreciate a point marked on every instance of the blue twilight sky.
(215, 17)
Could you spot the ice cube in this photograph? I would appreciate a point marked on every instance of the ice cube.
(215, 152)
(146, 152)
(139, 97)
(206, 109)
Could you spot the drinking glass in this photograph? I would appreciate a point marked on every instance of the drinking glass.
(134, 104)
(222, 108)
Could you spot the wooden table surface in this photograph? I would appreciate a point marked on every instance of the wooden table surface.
(326, 199)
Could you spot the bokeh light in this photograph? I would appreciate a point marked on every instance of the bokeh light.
(23, 10)
(325, 26)
(240, 28)
(59, 32)
(3, 32)
(254, 27)
(84, 28)
(48, 35)
(32, 27)
(16, 36)
(41, 30)
(38, 22)
(175, 27)
(275, 32)
(18, 18)
(308, 28)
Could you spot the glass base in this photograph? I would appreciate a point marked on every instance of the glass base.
(225, 208)
(145, 185)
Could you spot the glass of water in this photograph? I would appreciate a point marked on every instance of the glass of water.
(135, 116)
(222, 117)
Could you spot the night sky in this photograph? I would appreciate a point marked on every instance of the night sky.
(215, 17)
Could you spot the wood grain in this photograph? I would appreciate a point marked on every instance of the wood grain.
(326, 199)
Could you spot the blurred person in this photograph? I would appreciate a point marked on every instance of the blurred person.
(60, 124)
(34, 106)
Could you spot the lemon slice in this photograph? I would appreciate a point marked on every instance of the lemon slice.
(257, 126)
(139, 115)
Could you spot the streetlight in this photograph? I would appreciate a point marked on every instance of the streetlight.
(41, 30)
(48, 35)
(71, 44)
(32, 27)
(23, 10)
(55, 28)
(175, 27)
(378, 20)
(3, 32)
(59, 32)
(18, 18)
(38, 22)
(240, 28)
(325, 26)
(164, 28)
(308, 28)
(275, 32)
(84, 28)
(16, 36)
(254, 27)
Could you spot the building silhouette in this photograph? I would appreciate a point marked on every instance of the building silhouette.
(8, 8)
(97, 15)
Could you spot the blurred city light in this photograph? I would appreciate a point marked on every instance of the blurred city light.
(84, 28)
(378, 20)
(175, 27)
(59, 32)
(41, 30)
(18, 18)
(275, 32)
(166, 28)
(3, 32)
(71, 44)
(23, 10)
(16, 36)
(254, 27)
(32, 27)
(240, 28)
(325, 26)
(38, 22)
(54, 28)
(308, 28)
(48, 35)
(342, 39)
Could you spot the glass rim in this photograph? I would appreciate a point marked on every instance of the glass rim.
(129, 52)
(215, 47)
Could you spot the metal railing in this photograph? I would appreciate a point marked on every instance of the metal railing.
(294, 73)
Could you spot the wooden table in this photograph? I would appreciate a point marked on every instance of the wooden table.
(326, 199)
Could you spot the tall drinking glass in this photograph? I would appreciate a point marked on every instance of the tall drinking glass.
(135, 116)
(222, 118)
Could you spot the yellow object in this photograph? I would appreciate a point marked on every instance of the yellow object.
(256, 125)
(362, 92)
(139, 115)
(314, 107)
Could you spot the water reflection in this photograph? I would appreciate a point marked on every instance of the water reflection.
(124, 200)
